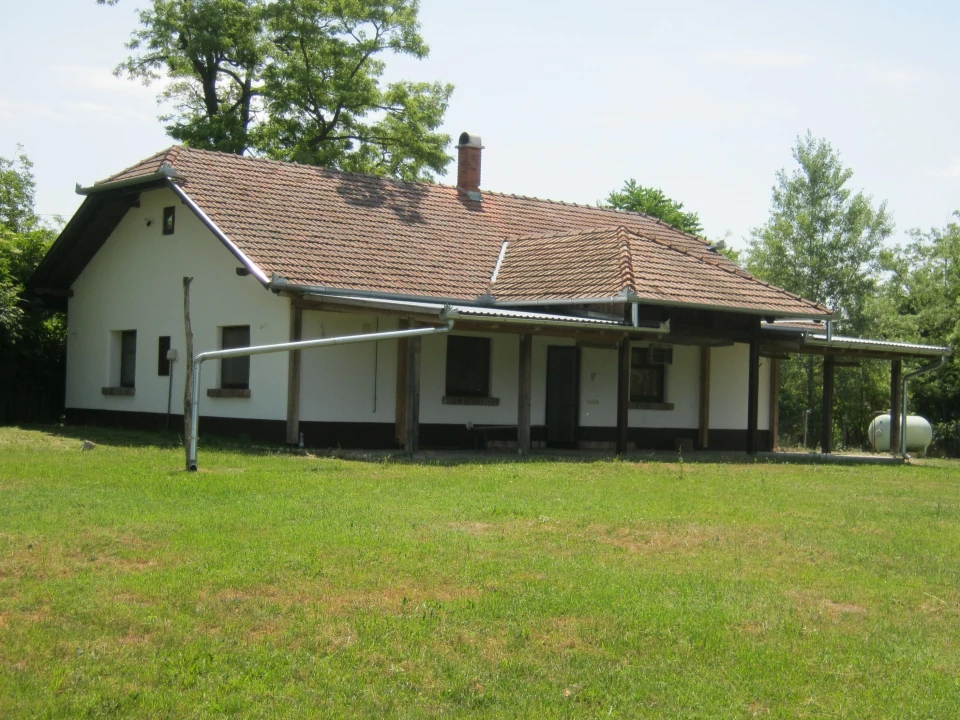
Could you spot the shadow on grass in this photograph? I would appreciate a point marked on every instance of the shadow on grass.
(122, 437)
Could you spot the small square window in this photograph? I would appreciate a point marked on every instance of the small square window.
(169, 220)
(163, 347)
(128, 358)
(235, 372)
(468, 366)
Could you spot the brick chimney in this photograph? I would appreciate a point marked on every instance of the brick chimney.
(468, 165)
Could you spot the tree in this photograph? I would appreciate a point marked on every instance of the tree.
(823, 242)
(652, 201)
(920, 301)
(32, 338)
(294, 80)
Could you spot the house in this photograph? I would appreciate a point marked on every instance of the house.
(556, 324)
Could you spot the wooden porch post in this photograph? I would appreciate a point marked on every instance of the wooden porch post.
(703, 427)
(412, 443)
(826, 437)
(524, 391)
(400, 408)
(896, 403)
(293, 375)
(623, 395)
(753, 396)
(774, 404)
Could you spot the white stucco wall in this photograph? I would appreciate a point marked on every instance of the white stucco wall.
(729, 381)
(135, 283)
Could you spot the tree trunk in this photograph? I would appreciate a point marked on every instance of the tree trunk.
(188, 387)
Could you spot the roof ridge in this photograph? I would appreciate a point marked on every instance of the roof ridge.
(735, 270)
(625, 260)
(318, 168)
(161, 155)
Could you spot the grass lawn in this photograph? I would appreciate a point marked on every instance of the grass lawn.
(273, 585)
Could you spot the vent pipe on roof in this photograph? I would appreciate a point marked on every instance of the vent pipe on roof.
(468, 165)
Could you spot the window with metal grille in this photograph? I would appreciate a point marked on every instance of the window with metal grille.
(128, 358)
(235, 372)
(468, 366)
(648, 368)
(163, 347)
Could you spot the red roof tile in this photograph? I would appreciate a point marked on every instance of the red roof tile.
(319, 227)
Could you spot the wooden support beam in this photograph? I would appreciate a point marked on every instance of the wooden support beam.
(896, 404)
(774, 403)
(400, 407)
(524, 394)
(412, 434)
(293, 376)
(623, 395)
(753, 396)
(703, 426)
(826, 436)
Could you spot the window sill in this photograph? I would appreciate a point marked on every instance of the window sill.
(228, 392)
(458, 400)
(119, 391)
(651, 406)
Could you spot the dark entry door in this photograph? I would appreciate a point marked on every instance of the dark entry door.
(563, 395)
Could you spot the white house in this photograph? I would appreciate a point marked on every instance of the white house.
(569, 325)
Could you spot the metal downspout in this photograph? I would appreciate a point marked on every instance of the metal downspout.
(903, 417)
(284, 347)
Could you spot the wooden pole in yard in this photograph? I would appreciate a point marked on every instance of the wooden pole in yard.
(524, 393)
(896, 404)
(188, 386)
(703, 424)
(293, 375)
(774, 404)
(623, 395)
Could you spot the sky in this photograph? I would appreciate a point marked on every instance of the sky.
(701, 99)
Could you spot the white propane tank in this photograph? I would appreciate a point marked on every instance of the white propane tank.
(919, 433)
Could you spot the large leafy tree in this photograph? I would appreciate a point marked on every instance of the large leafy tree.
(920, 301)
(294, 80)
(31, 336)
(652, 201)
(823, 241)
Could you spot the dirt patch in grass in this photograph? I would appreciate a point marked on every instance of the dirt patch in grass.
(679, 539)
(473, 528)
(43, 560)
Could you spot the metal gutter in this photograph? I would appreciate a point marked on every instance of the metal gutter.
(212, 227)
(841, 342)
(906, 381)
(284, 347)
(166, 172)
(503, 254)
(662, 328)
(280, 284)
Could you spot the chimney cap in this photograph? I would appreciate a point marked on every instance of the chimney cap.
(468, 139)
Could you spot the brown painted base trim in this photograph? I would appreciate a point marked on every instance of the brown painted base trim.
(380, 436)
(118, 391)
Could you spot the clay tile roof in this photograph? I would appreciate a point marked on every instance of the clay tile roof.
(319, 227)
(606, 261)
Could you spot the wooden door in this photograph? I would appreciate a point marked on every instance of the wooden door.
(563, 395)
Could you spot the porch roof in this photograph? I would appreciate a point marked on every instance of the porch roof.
(813, 335)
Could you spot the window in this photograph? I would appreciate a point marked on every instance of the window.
(169, 220)
(163, 347)
(128, 358)
(468, 366)
(648, 368)
(235, 372)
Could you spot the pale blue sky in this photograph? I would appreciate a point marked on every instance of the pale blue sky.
(703, 99)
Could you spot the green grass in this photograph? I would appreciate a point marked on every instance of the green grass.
(272, 585)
